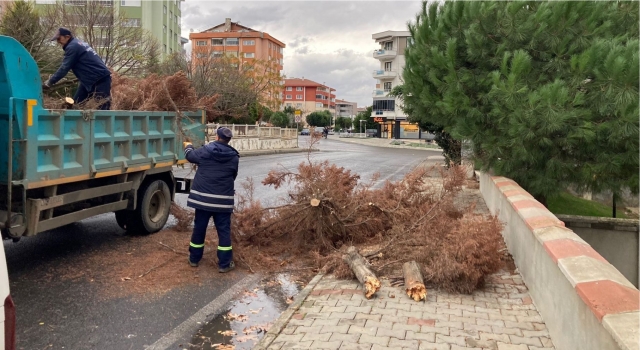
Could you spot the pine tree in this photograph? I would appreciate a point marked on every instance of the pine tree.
(546, 92)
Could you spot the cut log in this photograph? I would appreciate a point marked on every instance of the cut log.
(360, 268)
(413, 281)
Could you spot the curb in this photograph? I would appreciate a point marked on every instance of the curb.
(347, 139)
(284, 318)
(274, 151)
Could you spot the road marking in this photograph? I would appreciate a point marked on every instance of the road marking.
(215, 307)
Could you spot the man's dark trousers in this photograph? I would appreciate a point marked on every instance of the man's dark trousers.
(223, 226)
(100, 91)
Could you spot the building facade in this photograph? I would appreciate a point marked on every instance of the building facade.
(346, 109)
(161, 18)
(233, 39)
(386, 109)
(308, 96)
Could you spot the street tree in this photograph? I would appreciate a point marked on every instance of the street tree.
(546, 93)
(343, 123)
(280, 119)
(367, 121)
(123, 45)
(21, 21)
(319, 118)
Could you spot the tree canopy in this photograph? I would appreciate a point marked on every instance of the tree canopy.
(319, 118)
(546, 93)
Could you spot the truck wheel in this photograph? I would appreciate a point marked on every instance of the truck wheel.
(152, 212)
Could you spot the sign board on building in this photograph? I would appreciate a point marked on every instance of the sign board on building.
(379, 119)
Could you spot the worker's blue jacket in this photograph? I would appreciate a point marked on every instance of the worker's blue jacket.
(84, 62)
(212, 188)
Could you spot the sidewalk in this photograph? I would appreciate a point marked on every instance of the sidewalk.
(334, 314)
(378, 142)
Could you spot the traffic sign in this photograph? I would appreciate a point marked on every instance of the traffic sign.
(298, 118)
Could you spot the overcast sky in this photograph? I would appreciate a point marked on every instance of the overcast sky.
(327, 41)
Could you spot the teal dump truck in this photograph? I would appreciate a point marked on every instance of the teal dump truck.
(61, 166)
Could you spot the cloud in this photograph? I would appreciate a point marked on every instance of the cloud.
(328, 41)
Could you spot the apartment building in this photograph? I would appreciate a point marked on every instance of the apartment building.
(386, 109)
(235, 40)
(161, 18)
(308, 96)
(346, 109)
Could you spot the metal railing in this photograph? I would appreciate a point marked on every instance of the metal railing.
(246, 130)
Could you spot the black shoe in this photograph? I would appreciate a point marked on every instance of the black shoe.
(192, 263)
(232, 265)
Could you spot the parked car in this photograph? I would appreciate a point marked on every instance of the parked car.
(372, 132)
(332, 132)
(318, 130)
(305, 132)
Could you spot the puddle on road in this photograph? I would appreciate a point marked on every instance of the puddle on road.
(244, 324)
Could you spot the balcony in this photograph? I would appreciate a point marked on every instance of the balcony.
(384, 74)
(384, 54)
(380, 93)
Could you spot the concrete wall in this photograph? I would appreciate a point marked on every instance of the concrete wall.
(615, 239)
(254, 144)
(586, 303)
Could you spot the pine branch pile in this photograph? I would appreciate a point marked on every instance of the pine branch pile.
(149, 94)
(328, 210)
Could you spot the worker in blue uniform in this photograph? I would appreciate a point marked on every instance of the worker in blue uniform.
(87, 66)
(212, 196)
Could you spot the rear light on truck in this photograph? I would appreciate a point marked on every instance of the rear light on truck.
(9, 324)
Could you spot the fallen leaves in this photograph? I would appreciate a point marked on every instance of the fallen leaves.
(228, 333)
(235, 317)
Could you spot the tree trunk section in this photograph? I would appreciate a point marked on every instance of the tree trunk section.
(359, 267)
(413, 281)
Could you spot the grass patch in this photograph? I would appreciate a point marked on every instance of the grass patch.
(569, 204)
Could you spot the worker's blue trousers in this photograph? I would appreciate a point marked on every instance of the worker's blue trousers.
(101, 91)
(223, 226)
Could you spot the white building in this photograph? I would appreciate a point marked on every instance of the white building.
(387, 109)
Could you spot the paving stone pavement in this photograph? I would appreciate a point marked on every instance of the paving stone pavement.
(336, 315)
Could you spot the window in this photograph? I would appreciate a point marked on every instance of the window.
(387, 66)
(170, 15)
(170, 34)
(170, 50)
(248, 42)
(249, 55)
(47, 1)
(201, 43)
(132, 22)
(101, 42)
(165, 48)
(288, 97)
(299, 105)
(269, 45)
(232, 41)
(164, 29)
(288, 104)
(321, 97)
(319, 104)
(164, 9)
(175, 19)
(232, 54)
(289, 88)
(388, 45)
(387, 86)
(175, 37)
(298, 97)
(217, 41)
(384, 105)
(217, 54)
(281, 50)
(299, 88)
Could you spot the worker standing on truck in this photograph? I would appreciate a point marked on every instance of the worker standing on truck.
(88, 67)
(211, 195)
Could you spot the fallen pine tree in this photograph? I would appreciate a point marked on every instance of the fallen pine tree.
(329, 208)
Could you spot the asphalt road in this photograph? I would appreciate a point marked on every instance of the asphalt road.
(56, 313)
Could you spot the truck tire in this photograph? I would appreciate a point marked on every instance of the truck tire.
(152, 211)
